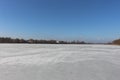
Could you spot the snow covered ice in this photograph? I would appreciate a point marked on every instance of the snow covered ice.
(59, 62)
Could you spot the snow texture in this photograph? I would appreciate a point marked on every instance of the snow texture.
(59, 62)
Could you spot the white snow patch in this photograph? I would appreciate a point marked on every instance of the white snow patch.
(59, 62)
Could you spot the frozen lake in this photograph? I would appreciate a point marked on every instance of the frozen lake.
(59, 62)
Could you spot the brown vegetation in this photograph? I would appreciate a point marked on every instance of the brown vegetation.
(33, 41)
(116, 42)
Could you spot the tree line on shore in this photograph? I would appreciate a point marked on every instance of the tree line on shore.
(35, 41)
(116, 42)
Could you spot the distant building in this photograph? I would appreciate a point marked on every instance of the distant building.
(57, 42)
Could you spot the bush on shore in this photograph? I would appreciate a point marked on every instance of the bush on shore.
(116, 42)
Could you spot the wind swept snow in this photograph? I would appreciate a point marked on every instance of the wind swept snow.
(59, 62)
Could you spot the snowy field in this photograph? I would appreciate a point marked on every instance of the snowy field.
(59, 62)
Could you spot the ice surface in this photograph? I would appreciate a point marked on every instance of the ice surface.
(59, 62)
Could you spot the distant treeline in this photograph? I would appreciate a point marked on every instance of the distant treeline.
(34, 41)
(116, 42)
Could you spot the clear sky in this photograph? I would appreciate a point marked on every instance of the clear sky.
(90, 20)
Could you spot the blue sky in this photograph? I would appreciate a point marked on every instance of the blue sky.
(90, 20)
